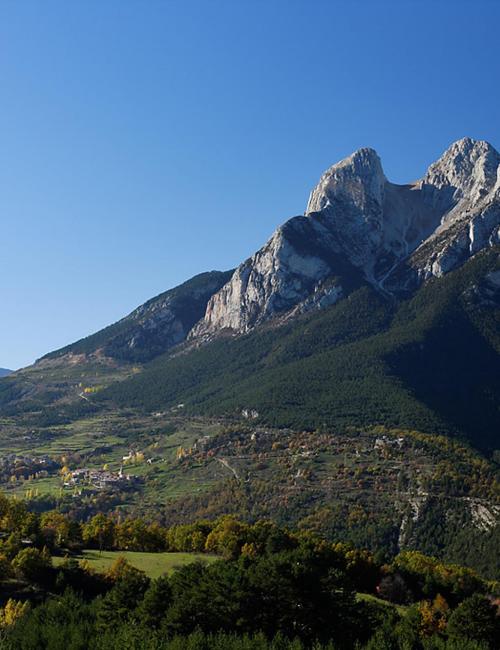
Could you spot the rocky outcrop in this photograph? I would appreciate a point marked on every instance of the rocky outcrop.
(290, 269)
(359, 225)
(463, 187)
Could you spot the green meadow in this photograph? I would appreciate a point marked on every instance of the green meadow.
(153, 564)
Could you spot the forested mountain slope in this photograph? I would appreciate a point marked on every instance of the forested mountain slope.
(430, 362)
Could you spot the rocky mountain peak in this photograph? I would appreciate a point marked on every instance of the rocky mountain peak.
(359, 177)
(356, 225)
(469, 168)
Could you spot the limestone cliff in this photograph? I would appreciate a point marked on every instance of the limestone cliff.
(357, 224)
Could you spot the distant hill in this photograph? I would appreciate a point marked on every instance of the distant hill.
(4, 372)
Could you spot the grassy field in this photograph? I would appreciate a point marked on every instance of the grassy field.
(401, 609)
(153, 564)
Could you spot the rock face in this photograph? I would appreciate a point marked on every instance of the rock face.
(293, 270)
(360, 227)
(464, 187)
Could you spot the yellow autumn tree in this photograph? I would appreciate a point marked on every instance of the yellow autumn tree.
(65, 473)
(433, 616)
(12, 612)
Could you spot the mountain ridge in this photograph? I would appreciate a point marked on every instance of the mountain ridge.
(357, 228)
(155, 326)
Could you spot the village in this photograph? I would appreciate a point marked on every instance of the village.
(16, 468)
(99, 479)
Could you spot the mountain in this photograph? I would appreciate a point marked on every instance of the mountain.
(4, 372)
(345, 378)
(409, 333)
(346, 292)
(360, 227)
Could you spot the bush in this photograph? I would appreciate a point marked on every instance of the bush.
(32, 564)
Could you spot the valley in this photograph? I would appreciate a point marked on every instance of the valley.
(377, 487)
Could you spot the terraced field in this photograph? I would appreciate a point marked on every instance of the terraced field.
(378, 488)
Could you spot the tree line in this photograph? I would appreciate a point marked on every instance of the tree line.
(272, 589)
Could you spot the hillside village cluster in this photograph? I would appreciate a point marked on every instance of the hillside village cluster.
(99, 479)
(25, 467)
(14, 468)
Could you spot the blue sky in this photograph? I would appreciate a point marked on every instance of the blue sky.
(144, 142)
